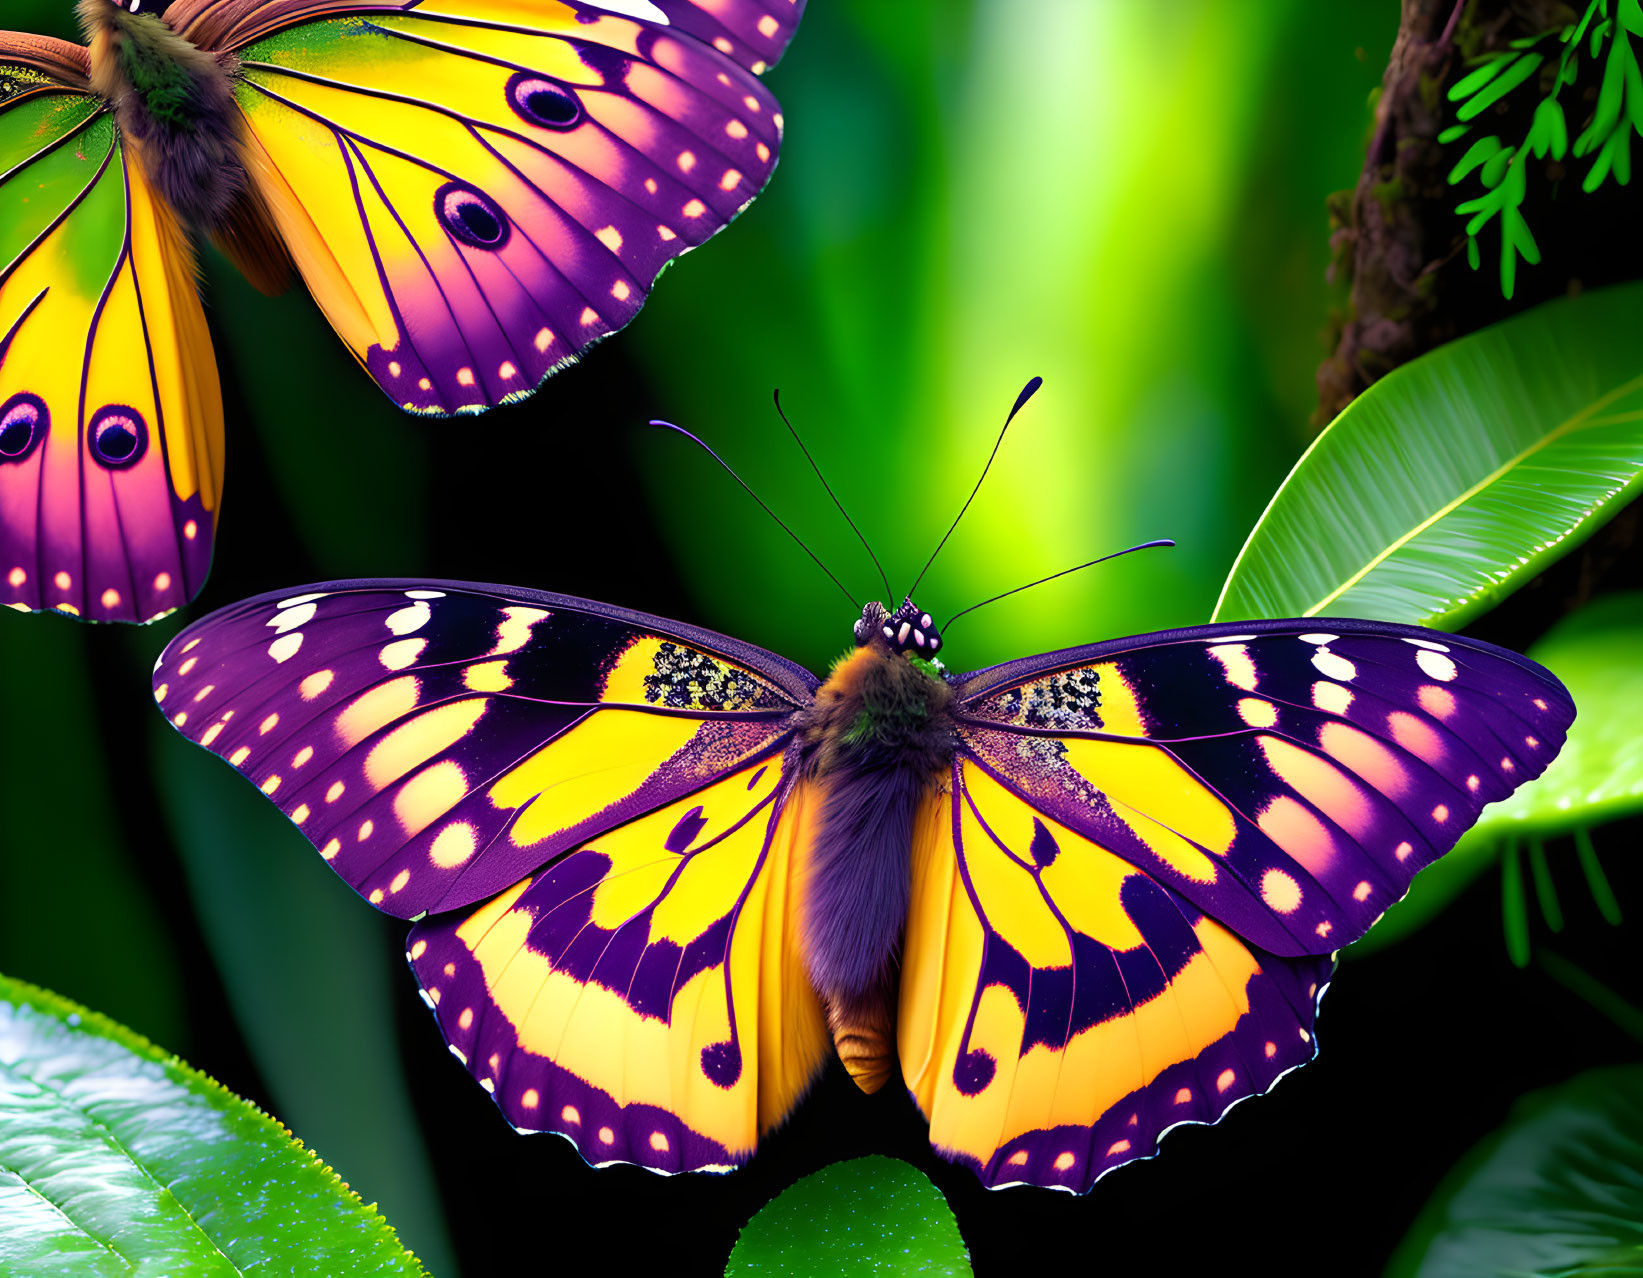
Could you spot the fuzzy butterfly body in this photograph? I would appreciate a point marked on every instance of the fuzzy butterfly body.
(474, 191)
(657, 876)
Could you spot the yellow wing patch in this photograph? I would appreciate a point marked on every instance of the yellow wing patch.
(1056, 1001)
(644, 996)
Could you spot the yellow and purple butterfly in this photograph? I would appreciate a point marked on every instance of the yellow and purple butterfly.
(659, 876)
(474, 191)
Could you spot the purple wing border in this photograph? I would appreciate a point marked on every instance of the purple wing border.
(790, 678)
(977, 684)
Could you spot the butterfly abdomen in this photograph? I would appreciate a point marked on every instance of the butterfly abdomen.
(879, 740)
(175, 104)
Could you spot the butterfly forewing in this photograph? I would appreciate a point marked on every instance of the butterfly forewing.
(438, 742)
(1287, 778)
(644, 995)
(1061, 1009)
(477, 190)
(110, 415)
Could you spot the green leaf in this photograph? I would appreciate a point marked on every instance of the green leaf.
(1515, 242)
(1458, 477)
(866, 1216)
(1598, 32)
(1610, 97)
(1557, 1190)
(1485, 72)
(1453, 133)
(117, 1158)
(1596, 778)
(1549, 134)
(1520, 70)
(1480, 152)
(1495, 167)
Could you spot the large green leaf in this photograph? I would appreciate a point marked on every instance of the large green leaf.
(1452, 481)
(1596, 777)
(1557, 1191)
(116, 1158)
(865, 1216)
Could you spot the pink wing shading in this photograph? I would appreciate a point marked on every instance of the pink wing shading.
(111, 445)
(1288, 778)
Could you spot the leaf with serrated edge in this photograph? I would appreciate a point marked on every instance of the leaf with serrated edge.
(115, 1157)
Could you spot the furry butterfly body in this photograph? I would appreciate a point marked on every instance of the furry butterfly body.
(474, 191)
(1074, 900)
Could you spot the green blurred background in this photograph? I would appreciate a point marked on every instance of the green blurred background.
(1125, 197)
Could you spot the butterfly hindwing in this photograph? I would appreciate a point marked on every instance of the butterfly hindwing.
(1286, 778)
(438, 742)
(643, 996)
(110, 414)
(477, 190)
(1061, 1009)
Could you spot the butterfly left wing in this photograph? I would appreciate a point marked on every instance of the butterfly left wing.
(438, 741)
(110, 414)
(614, 792)
(1153, 847)
(644, 996)
(478, 190)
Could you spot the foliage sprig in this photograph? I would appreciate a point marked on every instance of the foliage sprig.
(1503, 169)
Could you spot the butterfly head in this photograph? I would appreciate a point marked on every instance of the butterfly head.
(907, 630)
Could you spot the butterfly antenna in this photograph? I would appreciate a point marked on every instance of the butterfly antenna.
(755, 496)
(1146, 545)
(889, 595)
(1027, 392)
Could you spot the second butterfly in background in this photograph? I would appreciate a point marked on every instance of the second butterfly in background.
(474, 191)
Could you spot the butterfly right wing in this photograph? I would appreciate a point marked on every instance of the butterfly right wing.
(110, 414)
(439, 741)
(1062, 1008)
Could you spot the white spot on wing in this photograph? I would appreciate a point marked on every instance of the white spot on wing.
(1436, 664)
(407, 620)
(292, 617)
(402, 653)
(1319, 639)
(1426, 643)
(1333, 665)
(285, 647)
(631, 9)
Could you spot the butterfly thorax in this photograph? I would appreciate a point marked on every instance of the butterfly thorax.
(175, 105)
(878, 741)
